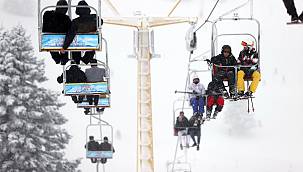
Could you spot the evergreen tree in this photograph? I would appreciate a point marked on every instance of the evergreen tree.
(31, 136)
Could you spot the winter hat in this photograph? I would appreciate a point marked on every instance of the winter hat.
(195, 76)
(82, 10)
(61, 10)
(224, 47)
(105, 138)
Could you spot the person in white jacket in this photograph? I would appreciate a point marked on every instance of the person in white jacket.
(197, 96)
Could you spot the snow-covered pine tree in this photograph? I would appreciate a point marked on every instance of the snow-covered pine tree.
(31, 136)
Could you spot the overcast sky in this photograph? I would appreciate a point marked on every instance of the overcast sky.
(268, 140)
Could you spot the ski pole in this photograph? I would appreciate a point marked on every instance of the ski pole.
(252, 104)
(248, 110)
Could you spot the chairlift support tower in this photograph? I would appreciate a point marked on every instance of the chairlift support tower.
(143, 53)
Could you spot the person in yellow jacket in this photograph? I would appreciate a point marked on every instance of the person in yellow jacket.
(248, 61)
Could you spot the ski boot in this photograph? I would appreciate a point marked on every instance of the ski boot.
(86, 112)
(294, 19)
(198, 147)
(181, 146)
(301, 17)
(248, 93)
(215, 114)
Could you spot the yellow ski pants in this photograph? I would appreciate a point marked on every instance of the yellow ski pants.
(255, 81)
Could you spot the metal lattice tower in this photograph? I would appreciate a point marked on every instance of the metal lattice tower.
(143, 54)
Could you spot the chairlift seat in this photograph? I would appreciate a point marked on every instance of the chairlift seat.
(54, 42)
(99, 154)
(97, 88)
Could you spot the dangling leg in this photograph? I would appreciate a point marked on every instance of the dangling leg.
(76, 56)
(220, 104)
(88, 55)
(291, 10)
(240, 83)
(56, 57)
(210, 103)
(231, 83)
(194, 104)
(201, 106)
(192, 135)
(256, 79)
(199, 137)
(64, 58)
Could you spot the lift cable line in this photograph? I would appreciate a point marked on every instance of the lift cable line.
(208, 16)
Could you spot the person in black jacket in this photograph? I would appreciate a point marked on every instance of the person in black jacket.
(92, 145)
(105, 146)
(195, 123)
(181, 126)
(226, 58)
(57, 22)
(85, 23)
(74, 75)
(215, 90)
(292, 11)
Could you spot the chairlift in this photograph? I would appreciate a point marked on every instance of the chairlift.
(215, 49)
(100, 128)
(83, 41)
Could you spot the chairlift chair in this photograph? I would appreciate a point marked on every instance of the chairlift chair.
(83, 41)
(104, 153)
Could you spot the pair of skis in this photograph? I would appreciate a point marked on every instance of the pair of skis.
(249, 99)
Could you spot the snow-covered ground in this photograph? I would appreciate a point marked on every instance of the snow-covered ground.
(271, 139)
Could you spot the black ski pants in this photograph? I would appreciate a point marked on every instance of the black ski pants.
(290, 6)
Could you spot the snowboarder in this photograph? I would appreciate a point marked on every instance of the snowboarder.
(181, 126)
(292, 11)
(92, 145)
(197, 98)
(226, 58)
(85, 23)
(248, 57)
(195, 129)
(105, 146)
(74, 75)
(215, 90)
(57, 22)
(94, 74)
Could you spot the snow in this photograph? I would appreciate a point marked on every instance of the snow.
(268, 140)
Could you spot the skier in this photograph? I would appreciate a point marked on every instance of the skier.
(57, 22)
(195, 129)
(92, 145)
(85, 23)
(105, 146)
(226, 58)
(197, 98)
(74, 75)
(94, 74)
(248, 57)
(215, 90)
(181, 126)
(292, 11)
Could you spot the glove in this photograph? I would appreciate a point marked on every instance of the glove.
(225, 94)
(254, 67)
(255, 60)
(195, 92)
(60, 79)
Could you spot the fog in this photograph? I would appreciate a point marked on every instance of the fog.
(270, 139)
